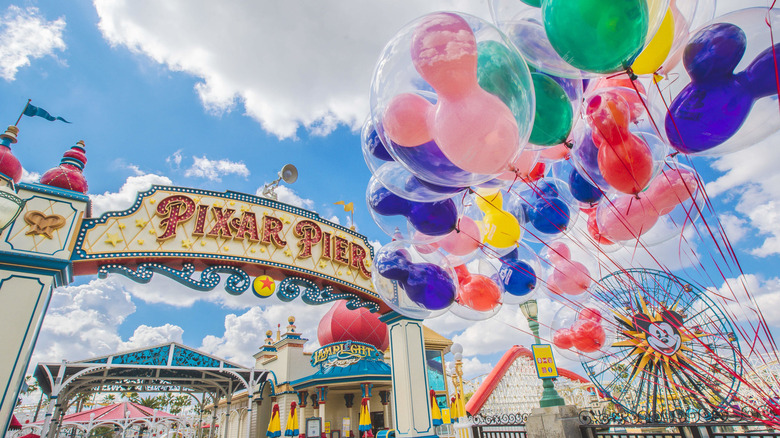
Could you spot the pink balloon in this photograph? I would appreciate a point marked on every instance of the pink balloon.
(626, 218)
(405, 120)
(671, 188)
(464, 240)
(559, 253)
(521, 167)
(474, 129)
(555, 153)
(570, 277)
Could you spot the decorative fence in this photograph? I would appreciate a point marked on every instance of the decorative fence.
(676, 424)
(500, 426)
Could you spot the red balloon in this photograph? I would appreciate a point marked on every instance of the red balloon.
(479, 292)
(589, 313)
(589, 336)
(563, 339)
(624, 159)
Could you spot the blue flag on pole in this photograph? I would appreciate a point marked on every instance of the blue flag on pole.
(33, 111)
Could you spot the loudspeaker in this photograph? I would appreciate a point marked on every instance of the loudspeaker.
(289, 173)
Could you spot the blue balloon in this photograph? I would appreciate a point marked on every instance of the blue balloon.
(431, 218)
(582, 190)
(546, 189)
(517, 276)
(549, 216)
(426, 284)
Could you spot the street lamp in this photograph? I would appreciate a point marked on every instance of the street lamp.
(550, 396)
(288, 174)
(457, 379)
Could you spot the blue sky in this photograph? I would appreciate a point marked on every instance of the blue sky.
(220, 95)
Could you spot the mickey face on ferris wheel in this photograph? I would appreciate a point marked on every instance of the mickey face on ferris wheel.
(663, 336)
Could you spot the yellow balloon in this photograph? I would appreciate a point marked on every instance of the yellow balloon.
(499, 228)
(654, 55)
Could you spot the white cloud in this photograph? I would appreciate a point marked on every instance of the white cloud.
(174, 160)
(82, 322)
(289, 64)
(734, 227)
(127, 194)
(214, 170)
(145, 336)
(25, 35)
(751, 179)
(288, 196)
(30, 177)
(474, 368)
(245, 334)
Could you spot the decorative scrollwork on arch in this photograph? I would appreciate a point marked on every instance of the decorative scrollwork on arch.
(237, 282)
(310, 293)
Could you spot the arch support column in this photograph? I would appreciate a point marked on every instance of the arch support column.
(411, 407)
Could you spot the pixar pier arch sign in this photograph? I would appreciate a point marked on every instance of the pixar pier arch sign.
(265, 246)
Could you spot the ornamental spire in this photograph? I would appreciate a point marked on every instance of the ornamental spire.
(69, 174)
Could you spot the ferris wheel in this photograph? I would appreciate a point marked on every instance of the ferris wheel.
(674, 349)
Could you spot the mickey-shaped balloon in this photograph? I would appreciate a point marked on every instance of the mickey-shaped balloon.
(499, 227)
(715, 104)
(547, 212)
(427, 284)
(476, 291)
(517, 276)
(473, 128)
(625, 160)
(569, 276)
(430, 218)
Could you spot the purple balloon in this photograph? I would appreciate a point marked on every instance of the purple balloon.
(428, 285)
(716, 103)
(431, 159)
(431, 218)
(586, 154)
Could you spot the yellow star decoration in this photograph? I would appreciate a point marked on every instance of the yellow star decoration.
(232, 202)
(287, 252)
(217, 204)
(226, 248)
(244, 208)
(340, 273)
(140, 241)
(186, 243)
(253, 250)
(113, 239)
(262, 249)
(202, 243)
(140, 223)
(151, 231)
(323, 264)
(152, 201)
(196, 200)
(121, 226)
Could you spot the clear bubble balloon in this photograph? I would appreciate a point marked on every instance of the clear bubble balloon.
(723, 97)
(452, 99)
(414, 285)
(480, 291)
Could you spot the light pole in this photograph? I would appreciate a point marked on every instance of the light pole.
(460, 400)
(550, 396)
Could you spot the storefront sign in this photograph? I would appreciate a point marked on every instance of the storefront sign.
(545, 363)
(342, 354)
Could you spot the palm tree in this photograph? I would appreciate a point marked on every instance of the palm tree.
(151, 402)
(109, 399)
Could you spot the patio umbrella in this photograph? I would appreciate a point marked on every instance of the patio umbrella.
(364, 423)
(435, 411)
(292, 422)
(275, 425)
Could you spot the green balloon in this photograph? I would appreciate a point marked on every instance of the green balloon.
(601, 36)
(534, 3)
(504, 73)
(553, 119)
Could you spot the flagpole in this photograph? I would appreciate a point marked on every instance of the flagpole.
(25, 109)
